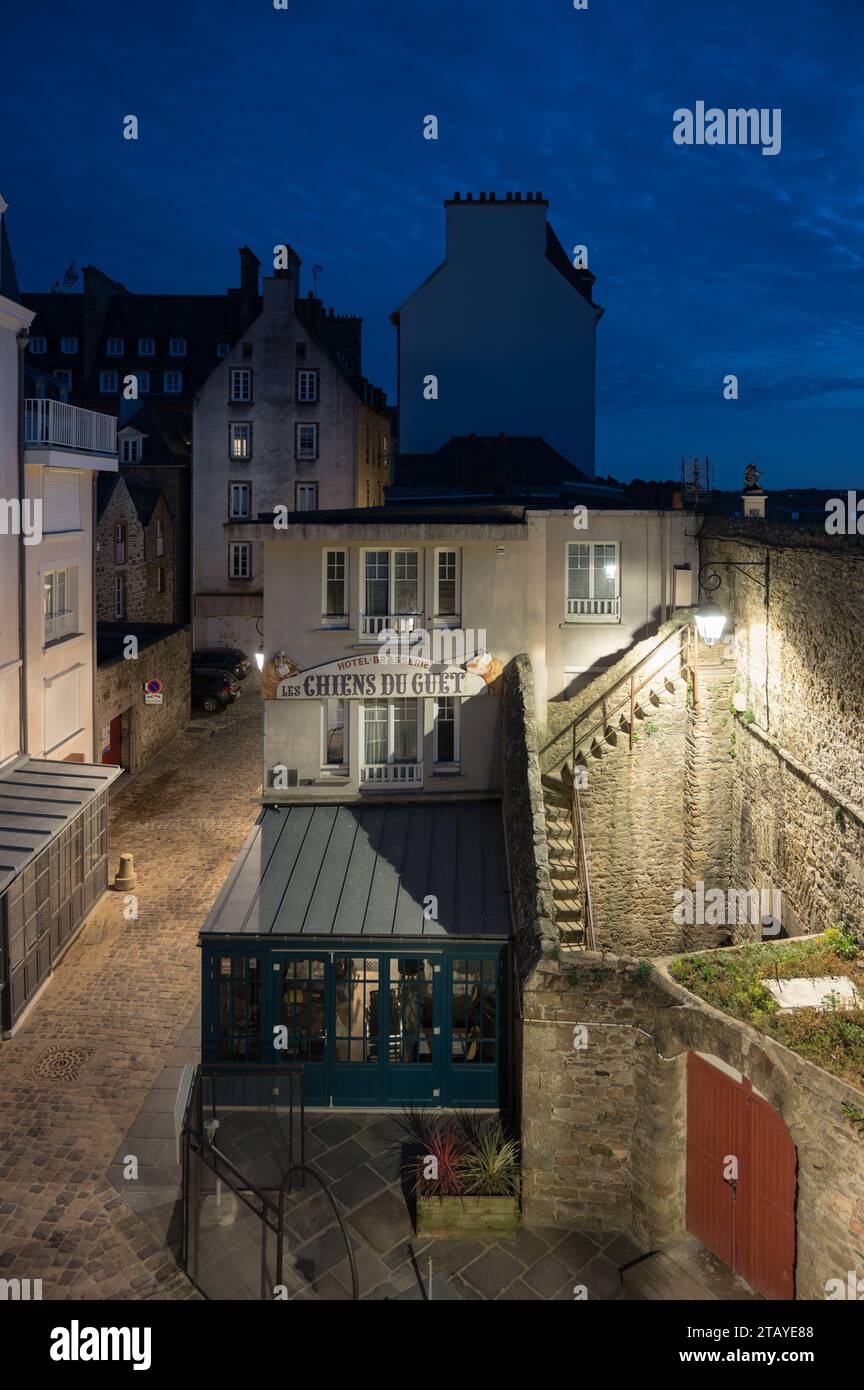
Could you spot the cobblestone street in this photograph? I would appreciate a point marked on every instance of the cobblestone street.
(75, 1075)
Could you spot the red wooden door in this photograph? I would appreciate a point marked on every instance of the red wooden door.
(112, 755)
(741, 1179)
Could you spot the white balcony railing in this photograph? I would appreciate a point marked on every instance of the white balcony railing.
(60, 625)
(391, 774)
(55, 424)
(372, 625)
(593, 610)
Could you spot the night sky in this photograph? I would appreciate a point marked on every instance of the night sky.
(260, 126)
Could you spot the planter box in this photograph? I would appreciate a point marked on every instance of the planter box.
(459, 1216)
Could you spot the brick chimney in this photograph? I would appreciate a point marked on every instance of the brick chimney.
(249, 266)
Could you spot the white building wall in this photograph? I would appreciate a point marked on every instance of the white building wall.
(13, 318)
(513, 586)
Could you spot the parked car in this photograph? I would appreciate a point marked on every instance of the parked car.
(223, 659)
(212, 688)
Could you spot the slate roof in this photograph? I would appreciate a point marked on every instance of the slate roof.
(503, 469)
(144, 496)
(365, 871)
(167, 430)
(38, 797)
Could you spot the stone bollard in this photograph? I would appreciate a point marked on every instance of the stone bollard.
(126, 877)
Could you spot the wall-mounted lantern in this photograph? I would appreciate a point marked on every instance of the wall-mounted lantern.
(710, 618)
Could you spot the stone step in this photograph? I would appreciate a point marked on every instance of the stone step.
(568, 910)
(571, 936)
(565, 890)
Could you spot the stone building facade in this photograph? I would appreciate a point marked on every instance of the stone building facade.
(286, 420)
(134, 553)
(137, 729)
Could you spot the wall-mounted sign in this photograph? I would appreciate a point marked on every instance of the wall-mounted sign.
(371, 677)
(153, 692)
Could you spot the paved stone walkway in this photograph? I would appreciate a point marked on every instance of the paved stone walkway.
(123, 996)
(360, 1156)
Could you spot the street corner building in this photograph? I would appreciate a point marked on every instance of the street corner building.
(366, 933)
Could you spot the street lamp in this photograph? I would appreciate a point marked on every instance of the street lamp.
(710, 618)
(710, 622)
(259, 658)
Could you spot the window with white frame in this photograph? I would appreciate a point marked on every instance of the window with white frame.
(177, 347)
(447, 584)
(38, 345)
(172, 383)
(240, 440)
(241, 384)
(391, 731)
(335, 751)
(108, 382)
(306, 441)
(160, 540)
(307, 386)
(447, 730)
(119, 596)
(305, 497)
(593, 591)
(115, 347)
(143, 380)
(239, 501)
(69, 345)
(335, 596)
(391, 584)
(120, 545)
(130, 449)
(240, 560)
(223, 349)
(60, 602)
(146, 347)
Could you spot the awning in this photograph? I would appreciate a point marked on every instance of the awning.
(433, 870)
(38, 797)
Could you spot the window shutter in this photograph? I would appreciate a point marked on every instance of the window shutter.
(61, 501)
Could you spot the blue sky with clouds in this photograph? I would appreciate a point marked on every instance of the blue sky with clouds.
(305, 125)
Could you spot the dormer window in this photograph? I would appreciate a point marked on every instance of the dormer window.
(130, 449)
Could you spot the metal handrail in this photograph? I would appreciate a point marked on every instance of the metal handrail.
(632, 690)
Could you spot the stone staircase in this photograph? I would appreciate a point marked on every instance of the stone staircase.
(563, 867)
(610, 722)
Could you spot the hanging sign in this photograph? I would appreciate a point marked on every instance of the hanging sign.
(373, 677)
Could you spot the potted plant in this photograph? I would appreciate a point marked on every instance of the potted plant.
(465, 1174)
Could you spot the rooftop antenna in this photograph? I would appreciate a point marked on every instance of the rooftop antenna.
(316, 271)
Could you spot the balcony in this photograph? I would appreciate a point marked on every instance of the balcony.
(60, 625)
(593, 610)
(55, 425)
(391, 775)
(373, 624)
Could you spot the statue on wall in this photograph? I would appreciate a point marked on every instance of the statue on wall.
(277, 669)
(751, 478)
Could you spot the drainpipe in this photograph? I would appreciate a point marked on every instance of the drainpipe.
(22, 338)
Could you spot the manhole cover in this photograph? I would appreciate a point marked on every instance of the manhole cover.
(62, 1063)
